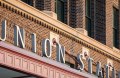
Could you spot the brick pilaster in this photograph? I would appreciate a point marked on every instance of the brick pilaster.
(48, 5)
(77, 13)
(109, 23)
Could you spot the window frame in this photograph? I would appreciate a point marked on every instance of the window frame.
(115, 28)
(56, 10)
(88, 17)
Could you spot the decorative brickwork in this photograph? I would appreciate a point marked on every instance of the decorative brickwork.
(48, 5)
(77, 13)
(39, 4)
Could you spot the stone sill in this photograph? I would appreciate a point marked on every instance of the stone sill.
(52, 14)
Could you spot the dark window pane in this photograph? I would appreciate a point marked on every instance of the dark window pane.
(115, 27)
(60, 10)
(115, 35)
(88, 8)
(88, 16)
(30, 2)
(116, 17)
(88, 26)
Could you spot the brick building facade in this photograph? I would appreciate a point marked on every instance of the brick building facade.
(99, 25)
(74, 15)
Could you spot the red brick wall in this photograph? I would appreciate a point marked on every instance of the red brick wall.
(39, 4)
(77, 13)
(41, 30)
(109, 23)
(101, 16)
(48, 5)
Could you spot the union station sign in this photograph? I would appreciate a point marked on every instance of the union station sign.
(19, 40)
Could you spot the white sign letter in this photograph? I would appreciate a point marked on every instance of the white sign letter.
(34, 43)
(99, 70)
(90, 60)
(19, 37)
(60, 53)
(79, 56)
(3, 37)
(46, 48)
(113, 73)
(107, 71)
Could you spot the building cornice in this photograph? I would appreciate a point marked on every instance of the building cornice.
(43, 19)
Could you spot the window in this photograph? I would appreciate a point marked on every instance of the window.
(30, 2)
(115, 27)
(59, 9)
(88, 17)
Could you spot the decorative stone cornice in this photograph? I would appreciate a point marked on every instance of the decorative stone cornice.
(45, 20)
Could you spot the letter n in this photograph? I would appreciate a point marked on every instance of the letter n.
(19, 37)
